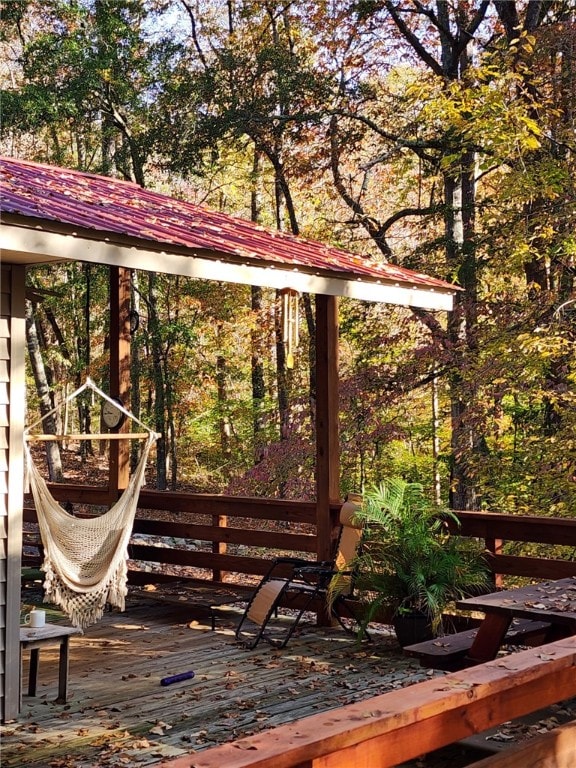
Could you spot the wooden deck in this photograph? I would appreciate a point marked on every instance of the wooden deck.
(118, 713)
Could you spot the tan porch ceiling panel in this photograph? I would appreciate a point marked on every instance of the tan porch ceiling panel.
(51, 214)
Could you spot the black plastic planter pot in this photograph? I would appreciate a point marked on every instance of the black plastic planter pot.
(412, 628)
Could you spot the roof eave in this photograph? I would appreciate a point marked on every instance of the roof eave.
(37, 240)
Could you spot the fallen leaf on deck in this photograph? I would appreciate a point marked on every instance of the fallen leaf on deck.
(160, 728)
(499, 736)
(139, 744)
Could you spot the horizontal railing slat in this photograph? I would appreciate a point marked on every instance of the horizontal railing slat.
(544, 530)
(533, 567)
(494, 528)
(192, 559)
(229, 535)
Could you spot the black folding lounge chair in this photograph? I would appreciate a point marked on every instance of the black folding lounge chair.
(306, 583)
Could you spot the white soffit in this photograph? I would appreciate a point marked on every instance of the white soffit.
(41, 244)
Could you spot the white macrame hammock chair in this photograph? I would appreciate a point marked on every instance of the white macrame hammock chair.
(85, 559)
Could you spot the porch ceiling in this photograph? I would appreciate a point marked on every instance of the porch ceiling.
(52, 214)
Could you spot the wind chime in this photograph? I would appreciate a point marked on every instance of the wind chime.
(290, 321)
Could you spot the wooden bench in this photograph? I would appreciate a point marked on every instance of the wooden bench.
(449, 652)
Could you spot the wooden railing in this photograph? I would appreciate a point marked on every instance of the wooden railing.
(497, 530)
(396, 726)
(232, 535)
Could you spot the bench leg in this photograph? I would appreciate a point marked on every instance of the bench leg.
(489, 638)
(33, 671)
(63, 672)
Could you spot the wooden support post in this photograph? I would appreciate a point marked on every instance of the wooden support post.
(327, 420)
(219, 547)
(119, 373)
(494, 546)
(12, 418)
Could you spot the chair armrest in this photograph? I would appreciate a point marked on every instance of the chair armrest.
(325, 569)
(293, 561)
(284, 562)
(322, 573)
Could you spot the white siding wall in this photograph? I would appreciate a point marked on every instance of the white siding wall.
(12, 397)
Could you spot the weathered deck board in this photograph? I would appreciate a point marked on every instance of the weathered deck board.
(116, 697)
(401, 725)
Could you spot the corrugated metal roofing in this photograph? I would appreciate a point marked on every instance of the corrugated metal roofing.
(111, 207)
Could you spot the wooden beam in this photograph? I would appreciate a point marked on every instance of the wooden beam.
(327, 430)
(199, 503)
(400, 725)
(214, 265)
(532, 567)
(327, 421)
(87, 436)
(555, 749)
(497, 525)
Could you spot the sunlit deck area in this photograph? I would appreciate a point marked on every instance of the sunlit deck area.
(118, 713)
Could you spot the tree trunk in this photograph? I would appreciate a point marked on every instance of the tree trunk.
(43, 390)
(311, 326)
(135, 368)
(257, 372)
(282, 372)
(158, 375)
(256, 334)
(171, 451)
(459, 227)
(83, 342)
(223, 419)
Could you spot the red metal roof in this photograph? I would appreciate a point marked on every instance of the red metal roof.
(107, 206)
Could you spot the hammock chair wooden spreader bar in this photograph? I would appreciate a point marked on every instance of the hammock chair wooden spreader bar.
(86, 436)
(89, 384)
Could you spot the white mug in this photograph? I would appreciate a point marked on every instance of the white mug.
(36, 618)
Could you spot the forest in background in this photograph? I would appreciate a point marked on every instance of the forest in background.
(435, 135)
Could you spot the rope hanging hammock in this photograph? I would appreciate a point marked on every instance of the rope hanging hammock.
(85, 559)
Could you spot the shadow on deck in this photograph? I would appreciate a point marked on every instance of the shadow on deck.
(118, 713)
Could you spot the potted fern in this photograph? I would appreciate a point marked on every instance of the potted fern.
(410, 566)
